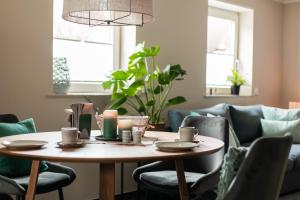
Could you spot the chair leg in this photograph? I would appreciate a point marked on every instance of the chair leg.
(20, 197)
(61, 194)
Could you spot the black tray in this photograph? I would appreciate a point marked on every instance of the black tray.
(100, 137)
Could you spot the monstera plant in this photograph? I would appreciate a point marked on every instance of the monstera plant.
(143, 87)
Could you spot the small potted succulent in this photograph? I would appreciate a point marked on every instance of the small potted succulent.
(237, 80)
(143, 87)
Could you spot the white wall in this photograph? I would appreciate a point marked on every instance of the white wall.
(291, 54)
(180, 29)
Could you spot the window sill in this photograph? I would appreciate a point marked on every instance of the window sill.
(228, 96)
(76, 94)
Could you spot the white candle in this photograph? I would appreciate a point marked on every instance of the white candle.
(125, 124)
(108, 114)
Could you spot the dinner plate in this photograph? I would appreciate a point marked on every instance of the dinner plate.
(71, 145)
(176, 146)
(24, 144)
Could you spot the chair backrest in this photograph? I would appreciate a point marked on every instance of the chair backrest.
(261, 173)
(8, 118)
(216, 127)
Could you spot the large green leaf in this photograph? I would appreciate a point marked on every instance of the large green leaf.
(176, 101)
(150, 103)
(163, 78)
(137, 84)
(107, 84)
(159, 89)
(116, 96)
(122, 111)
(119, 75)
(118, 103)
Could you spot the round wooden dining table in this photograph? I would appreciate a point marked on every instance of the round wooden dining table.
(107, 154)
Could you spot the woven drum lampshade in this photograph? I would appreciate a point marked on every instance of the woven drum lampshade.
(108, 12)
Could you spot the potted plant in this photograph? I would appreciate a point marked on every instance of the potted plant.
(236, 80)
(143, 87)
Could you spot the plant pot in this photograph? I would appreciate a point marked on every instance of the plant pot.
(156, 127)
(235, 89)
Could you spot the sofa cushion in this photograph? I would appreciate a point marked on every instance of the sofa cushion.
(246, 122)
(176, 116)
(280, 128)
(279, 114)
(294, 157)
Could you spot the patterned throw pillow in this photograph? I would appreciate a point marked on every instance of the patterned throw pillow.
(232, 162)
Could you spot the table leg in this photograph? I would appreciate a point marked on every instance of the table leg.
(34, 175)
(184, 195)
(107, 181)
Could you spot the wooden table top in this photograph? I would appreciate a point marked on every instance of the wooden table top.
(107, 152)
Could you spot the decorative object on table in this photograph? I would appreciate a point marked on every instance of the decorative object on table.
(187, 134)
(24, 144)
(237, 80)
(143, 86)
(108, 12)
(110, 124)
(126, 137)
(61, 76)
(138, 122)
(137, 137)
(124, 124)
(81, 118)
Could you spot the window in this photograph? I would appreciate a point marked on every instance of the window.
(229, 46)
(221, 48)
(91, 52)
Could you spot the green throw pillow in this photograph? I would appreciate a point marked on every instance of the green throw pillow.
(280, 128)
(232, 162)
(12, 167)
(279, 114)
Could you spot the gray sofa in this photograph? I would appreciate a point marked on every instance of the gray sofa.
(245, 120)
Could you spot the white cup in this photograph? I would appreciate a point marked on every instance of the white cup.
(69, 135)
(187, 134)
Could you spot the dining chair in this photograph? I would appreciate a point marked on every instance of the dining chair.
(261, 173)
(54, 178)
(202, 173)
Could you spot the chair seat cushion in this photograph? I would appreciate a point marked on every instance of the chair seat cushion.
(48, 181)
(168, 178)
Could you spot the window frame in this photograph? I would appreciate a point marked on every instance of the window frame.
(228, 15)
(94, 87)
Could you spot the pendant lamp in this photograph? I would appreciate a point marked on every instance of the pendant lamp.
(108, 12)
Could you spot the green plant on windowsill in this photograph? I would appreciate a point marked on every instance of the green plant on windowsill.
(237, 80)
(143, 87)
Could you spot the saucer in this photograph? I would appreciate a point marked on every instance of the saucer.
(194, 141)
(71, 145)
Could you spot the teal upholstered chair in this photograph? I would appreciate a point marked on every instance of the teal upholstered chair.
(202, 173)
(54, 178)
(261, 174)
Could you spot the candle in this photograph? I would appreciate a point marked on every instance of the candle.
(110, 118)
(124, 124)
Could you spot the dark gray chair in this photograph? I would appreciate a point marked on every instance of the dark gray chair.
(261, 174)
(55, 178)
(201, 173)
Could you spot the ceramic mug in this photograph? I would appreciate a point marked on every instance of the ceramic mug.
(69, 135)
(187, 134)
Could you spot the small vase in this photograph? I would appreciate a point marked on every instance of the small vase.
(235, 89)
